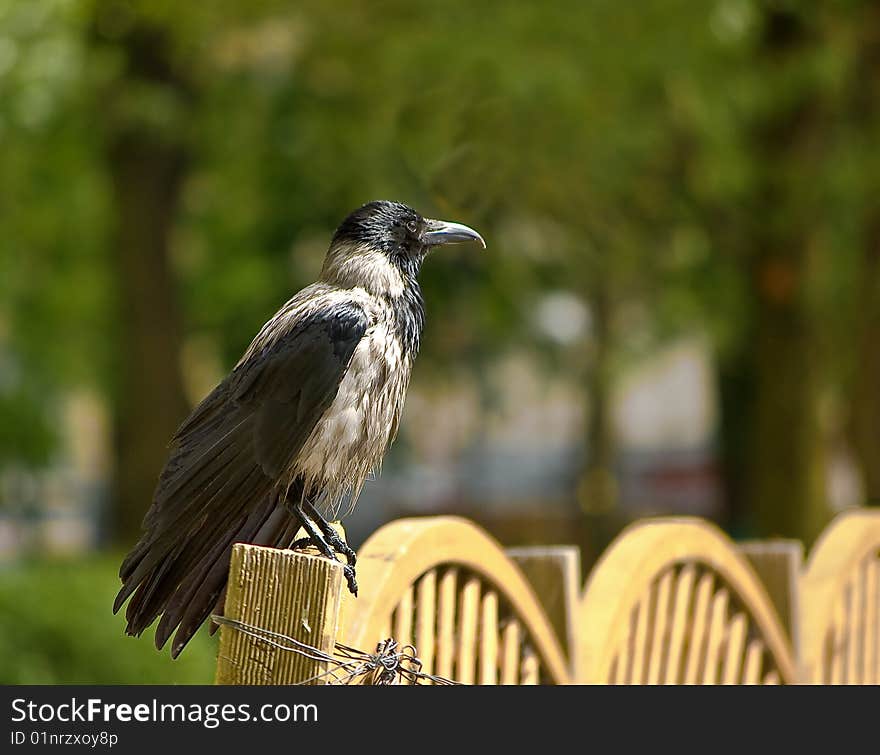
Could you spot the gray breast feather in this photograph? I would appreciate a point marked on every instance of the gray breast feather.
(351, 437)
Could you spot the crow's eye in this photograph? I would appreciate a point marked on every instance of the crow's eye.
(412, 226)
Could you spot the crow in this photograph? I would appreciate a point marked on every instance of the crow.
(296, 427)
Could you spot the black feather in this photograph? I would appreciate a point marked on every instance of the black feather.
(235, 461)
(223, 480)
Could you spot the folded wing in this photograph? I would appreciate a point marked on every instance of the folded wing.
(227, 464)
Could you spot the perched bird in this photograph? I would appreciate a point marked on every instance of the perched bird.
(296, 427)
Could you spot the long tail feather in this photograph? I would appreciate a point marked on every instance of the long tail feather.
(206, 501)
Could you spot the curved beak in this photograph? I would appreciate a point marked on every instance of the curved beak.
(443, 232)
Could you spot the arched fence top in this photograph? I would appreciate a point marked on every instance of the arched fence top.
(844, 543)
(840, 617)
(447, 587)
(672, 601)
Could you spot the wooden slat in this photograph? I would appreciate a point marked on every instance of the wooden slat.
(837, 659)
(835, 588)
(659, 649)
(468, 621)
(698, 632)
(716, 635)
(489, 639)
(426, 606)
(510, 641)
(827, 656)
(403, 622)
(403, 618)
(846, 634)
(733, 657)
(400, 553)
(683, 588)
(616, 674)
(640, 641)
(529, 670)
(872, 622)
(633, 567)
(386, 631)
(624, 672)
(856, 658)
(779, 564)
(754, 661)
(446, 623)
(554, 573)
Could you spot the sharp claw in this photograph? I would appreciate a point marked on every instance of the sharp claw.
(303, 542)
(337, 546)
(349, 573)
(340, 546)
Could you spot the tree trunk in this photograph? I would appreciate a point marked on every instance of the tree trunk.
(736, 392)
(771, 440)
(150, 396)
(786, 480)
(865, 404)
(865, 413)
(597, 493)
(146, 161)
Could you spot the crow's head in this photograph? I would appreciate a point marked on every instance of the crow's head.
(382, 244)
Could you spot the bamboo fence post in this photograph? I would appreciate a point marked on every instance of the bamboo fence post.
(291, 593)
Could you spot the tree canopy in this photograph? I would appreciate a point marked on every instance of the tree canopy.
(675, 165)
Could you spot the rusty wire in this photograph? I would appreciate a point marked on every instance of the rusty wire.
(390, 663)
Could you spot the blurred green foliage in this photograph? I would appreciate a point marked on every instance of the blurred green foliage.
(620, 131)
(635, 140)
(57, 628)
(678, 165)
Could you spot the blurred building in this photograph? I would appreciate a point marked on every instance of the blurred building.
(513, 467)
(516, 467)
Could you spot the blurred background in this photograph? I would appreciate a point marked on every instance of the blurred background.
(678, 312)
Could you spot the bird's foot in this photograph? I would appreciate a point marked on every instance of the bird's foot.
(303, 542)
(350, 578)
(331, 548)
(340, 546)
